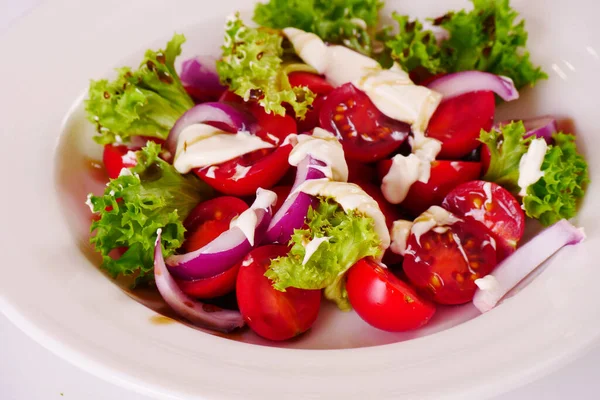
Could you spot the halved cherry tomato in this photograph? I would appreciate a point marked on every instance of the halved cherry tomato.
(360, 172)
(315, 83)
(390, 211)
(204, 224)
(270, 127)
(444, 264)
(458, 122)
(366, 133)
(282, 193)
(383, 300)
(202, 95)
(114, 158)
(243, 175)
(311, 119)
(230, 97)
(270, 313)
(445, 176)
(209, 219)
(493, 206)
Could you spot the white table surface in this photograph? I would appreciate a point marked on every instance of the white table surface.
(30, 372)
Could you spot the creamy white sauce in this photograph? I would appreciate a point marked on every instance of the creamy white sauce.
(325, 147)
(125, 172)
(247, 221)
(350, 197)
(202, 145)
(311, 247)
(392, 91)
(130, 157)
(530, 166)
(488, 283)
(434, 217)
(88, 202)
(406, 170)
(399, 235)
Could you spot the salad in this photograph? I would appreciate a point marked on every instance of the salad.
(322, 157)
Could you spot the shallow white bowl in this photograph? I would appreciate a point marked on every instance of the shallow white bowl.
(51, 289)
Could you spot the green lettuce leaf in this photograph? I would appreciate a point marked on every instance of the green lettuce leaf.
(335, 21)
(135, 205)
(145, 102)
(351, 237)
(252, 67)
(488, 38)
(555, 195)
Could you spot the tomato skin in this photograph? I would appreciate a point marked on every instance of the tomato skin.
(270, 125)
(270, 313)
(230, 97)
(435, 262)
(209, 288)
(265, 172)
(113, 159)
(315, 83)
(457, 123)
(365, 132)
(282, 193)
(445, 176)
(494, 207)
(384, 301)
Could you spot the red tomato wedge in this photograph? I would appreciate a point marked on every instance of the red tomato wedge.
(445, 264)
(270, 313)
(445, 176)
(205, 223)
(384, 301)
(366, 134)
(115, 159)
(493, 206)
(457, 123)
(282, 193)
(315, 83)
(243, 175)
(270, 127)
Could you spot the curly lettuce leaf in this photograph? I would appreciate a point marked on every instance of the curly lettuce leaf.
(145, 102)
(152, 196)
(336, 21)
(565, 173)
(488, 38)
(556, 194)
(351, 237)
(252, 67)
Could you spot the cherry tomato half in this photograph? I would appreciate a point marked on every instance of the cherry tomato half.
(270, 127)
(366, 133)
(493, 206)
(444, 264)
(282, 193)
(115, 159)
(384, 301)
(315, 83)
(243, 175)
(445, 176)
(270, 313)
(457, 122)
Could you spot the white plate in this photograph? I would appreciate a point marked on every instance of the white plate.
(52, 291)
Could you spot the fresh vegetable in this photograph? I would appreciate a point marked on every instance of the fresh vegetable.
(273, 314)
(514, 269)
(564, 172)
(203, 315)
(383, 300)
(456, 84)
(145, 102)
(344, 22)
(209, 288)
(351, 236)
(135, 205)
(200, 79)
(487, 38)
(117, 157)
(365, 132)
(252, 67)
(445, 255)
(228, 248)
(493, 206)
(457, 123)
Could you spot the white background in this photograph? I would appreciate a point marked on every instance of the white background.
(30, 372)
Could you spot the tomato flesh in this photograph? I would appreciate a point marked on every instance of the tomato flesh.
(114, 159)
(270, 127)
(494, 207)
(445, 176)
(315, 83)
(270, 313)
(457, 123)
(209, 288)
(366, 134)
(445, 264)
(384, 301)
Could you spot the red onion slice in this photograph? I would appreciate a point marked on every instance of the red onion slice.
(222, 115)
(203, 315)
(200, 73)
(293, 211)
(226, 250)
(453, 85)
(515, 268)
(540, 127)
